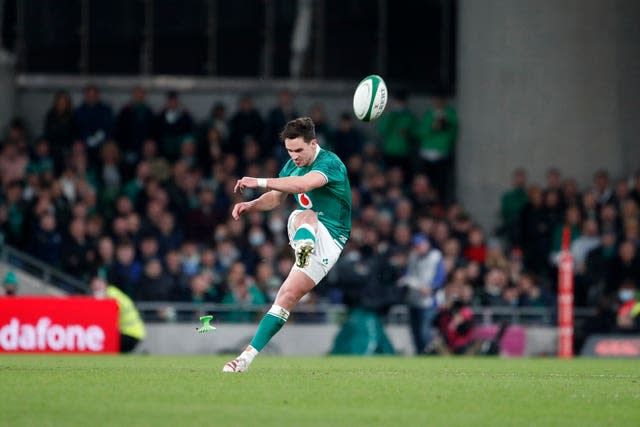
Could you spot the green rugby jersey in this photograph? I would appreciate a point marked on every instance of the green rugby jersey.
(332, 201)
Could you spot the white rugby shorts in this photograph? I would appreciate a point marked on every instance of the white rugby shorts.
(324, 255)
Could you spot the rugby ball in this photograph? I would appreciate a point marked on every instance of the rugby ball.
(370, 98)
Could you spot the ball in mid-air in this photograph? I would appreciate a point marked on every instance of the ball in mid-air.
(370, 98)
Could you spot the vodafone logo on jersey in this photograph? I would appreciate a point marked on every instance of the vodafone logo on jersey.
(304, 201)
(58, 325)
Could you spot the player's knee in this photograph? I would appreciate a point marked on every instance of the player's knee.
(307, 217)
(288, 298)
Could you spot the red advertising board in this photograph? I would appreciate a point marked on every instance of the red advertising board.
(58, 325)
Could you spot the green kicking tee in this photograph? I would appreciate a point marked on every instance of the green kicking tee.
(332, 201)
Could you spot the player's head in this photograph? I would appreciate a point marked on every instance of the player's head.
(299, 136)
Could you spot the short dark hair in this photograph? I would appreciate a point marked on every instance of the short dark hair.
(301, 127)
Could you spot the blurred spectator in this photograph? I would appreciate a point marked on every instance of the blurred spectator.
(126, 270)
(131, 327)
(530, 292)
(455, 327)
(476, 249)
(13, 163)
(625, 266)
(324, 131)
(347, 139)
(588, 240)
(242, 291)
(437, 133)
(78, 253)
(10, 284)
(495, 283)
(396, 128)
(553, 179)
(172, 125)
(94, 122)
(46, 243)
(134, 125)
(179, 280)
(245, 122)
(278, 116)
(201, 221)
(216, 121)
(425, 274)
(535, 232)
(267, 281)
(155, 285)
(602, 187)
(59, 127)
(628, 315)
(511, 205)
(12, 215)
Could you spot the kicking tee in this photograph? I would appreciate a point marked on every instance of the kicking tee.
(332, 201)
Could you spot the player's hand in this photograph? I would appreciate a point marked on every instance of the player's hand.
(239, 209)
(245, 182)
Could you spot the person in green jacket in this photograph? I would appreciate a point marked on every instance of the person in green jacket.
(131, 326)
(511, 204)
(396, 132)
(437, 133)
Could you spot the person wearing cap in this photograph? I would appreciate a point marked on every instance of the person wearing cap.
(10, 284)
(425, 274)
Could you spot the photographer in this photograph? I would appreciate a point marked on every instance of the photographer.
(455, 325)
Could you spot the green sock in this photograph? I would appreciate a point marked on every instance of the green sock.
(269, 326)
(305, 231)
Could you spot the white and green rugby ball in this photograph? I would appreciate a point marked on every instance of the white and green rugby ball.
(370, 98)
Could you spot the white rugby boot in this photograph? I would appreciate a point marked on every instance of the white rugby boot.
(239, 364)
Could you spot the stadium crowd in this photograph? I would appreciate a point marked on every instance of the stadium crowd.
(142, 198)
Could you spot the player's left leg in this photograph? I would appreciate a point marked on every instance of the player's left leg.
(295, 286)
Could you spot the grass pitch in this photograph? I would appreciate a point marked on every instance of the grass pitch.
(330, 391)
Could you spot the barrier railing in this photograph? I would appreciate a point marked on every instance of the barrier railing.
(333, 313)
(42, 270)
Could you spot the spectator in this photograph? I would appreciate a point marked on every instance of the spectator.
(628, 315)
(172, 125)
(625, 266)
(512, 203)
(10, 284)
(347, 139)
(267, 281)
(12, 215)
(179, 280)
(134, 125)
(396, 129)
(59, 127)
(530, 292)
(126, 271)
(217, 122)
(495, 283)
(476, 249)
(455, 327)
(278, 116)
(131, 327)
(201, 221)
(155, 285)
(437, 133)
(580, 248)
(13, 163)
(602, 187)
(324, 131)
(243, 291)
(77, 250)
(94, 122)
(46, 243)
(245, 122)
(425, 274)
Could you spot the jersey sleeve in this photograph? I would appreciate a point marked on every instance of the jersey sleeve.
(330, 167)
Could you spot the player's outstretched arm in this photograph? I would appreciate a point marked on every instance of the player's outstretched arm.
(266, 202)
(288, 184)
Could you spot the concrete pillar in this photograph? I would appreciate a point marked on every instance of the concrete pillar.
(541, 84)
